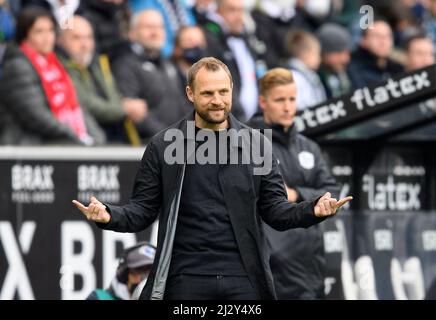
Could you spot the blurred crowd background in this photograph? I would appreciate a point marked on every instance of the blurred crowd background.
(102, 72)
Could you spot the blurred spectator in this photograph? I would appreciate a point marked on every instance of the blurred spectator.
(304, 53)
(296, 256)
(274, 18)
(370, 63)
(176, 13)
(429, 21)
(109, 19)
(38, 92)
(419, 52)
(133, 269)
(201, 10)
(228, 41)
(311, 14)
(7, 28)
(94, 84)
(189, 47)
(335, 56)
(62, 10)
(144, 76)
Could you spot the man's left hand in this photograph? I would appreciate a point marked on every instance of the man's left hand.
(327, 206)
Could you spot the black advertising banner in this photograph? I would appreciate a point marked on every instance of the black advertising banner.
(395, 179)
(367, 102)
(48, 250)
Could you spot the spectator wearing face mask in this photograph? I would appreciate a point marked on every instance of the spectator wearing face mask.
(189, 47)
(132, 271)
(312, 14)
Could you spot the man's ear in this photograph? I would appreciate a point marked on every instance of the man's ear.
(262, 102)
(190, 93)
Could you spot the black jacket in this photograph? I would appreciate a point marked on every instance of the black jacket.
(364, 71)
(297, 256)
(249, 198)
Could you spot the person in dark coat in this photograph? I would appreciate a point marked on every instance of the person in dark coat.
(370, 63)
(297, 256)
(210, 243)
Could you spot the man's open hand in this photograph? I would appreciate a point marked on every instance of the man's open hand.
(96, 211)
(327, 206)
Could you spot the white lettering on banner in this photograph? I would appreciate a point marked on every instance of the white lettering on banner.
(332, 241)
(16, 279)
(77, 263)
(362, 99)
(110, 260)
(383, 240)
(409, 171)
(342, 171)
(32, 184)
(321, 115)
(100, 181)
(391, 90)
(391, 195)
(429, 240)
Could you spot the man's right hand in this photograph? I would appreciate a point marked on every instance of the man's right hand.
(95, 211)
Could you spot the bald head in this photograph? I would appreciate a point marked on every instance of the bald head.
(78, 41)
(147, 28)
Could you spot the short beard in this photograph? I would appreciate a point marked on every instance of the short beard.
(205, 116)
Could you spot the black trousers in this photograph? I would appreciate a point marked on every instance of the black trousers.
(208, 287)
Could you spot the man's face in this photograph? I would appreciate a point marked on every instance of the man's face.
(211, 95)
(232, 11)
(378, 40)
(278, 105)
(41, 36)
(336, 61)
(149, 30)
(79, 42)
(420, 54)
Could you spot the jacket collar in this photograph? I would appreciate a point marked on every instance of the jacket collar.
(278, 131)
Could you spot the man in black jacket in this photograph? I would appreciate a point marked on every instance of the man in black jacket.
(216, 251)
(297, 256)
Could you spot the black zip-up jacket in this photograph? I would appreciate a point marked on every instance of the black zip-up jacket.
(249, 199)
(297, 256)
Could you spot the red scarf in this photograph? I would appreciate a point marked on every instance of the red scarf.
(59, 90)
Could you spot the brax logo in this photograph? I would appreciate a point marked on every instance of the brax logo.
(32, 183)
(99, 181)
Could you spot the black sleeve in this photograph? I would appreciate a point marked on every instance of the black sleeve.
(145, 202)
(323, 181)
(276, 210)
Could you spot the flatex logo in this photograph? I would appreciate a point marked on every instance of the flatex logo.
(100, 181)
(32, 184)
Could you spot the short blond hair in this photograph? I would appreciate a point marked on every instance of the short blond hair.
(211, 64)
(275, 77)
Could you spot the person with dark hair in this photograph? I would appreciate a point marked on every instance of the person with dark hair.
(210, 245)
(38, 92)
(370, 63)
(133, 269)
(296, 256)
(419, 51)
